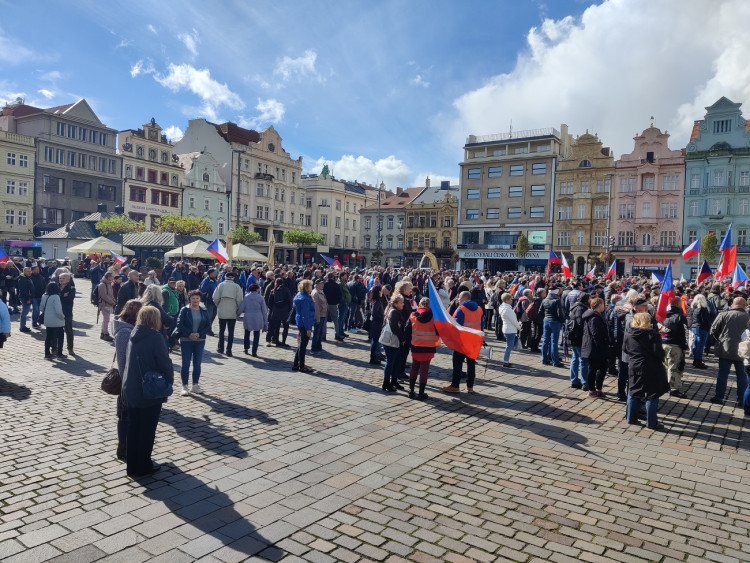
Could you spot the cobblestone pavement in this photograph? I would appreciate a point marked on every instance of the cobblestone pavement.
(273, 464)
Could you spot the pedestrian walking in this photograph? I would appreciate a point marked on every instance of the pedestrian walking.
(305, 318)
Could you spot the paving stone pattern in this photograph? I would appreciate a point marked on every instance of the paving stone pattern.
(272, 464)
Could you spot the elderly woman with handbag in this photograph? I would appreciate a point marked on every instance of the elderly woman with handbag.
(393, 339)
(124, 324)
(147, 361)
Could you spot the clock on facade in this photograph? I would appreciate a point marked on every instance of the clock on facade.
(271, 147)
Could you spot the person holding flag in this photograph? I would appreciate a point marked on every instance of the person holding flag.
(469, 315)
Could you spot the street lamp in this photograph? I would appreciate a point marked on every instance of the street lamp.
(237, 196)
(354, 257)
(379, 243)
(401, 224)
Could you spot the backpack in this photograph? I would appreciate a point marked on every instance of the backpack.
(95, 296)
(573, 330)
(712, 312)
(532, 310)
(519, 308)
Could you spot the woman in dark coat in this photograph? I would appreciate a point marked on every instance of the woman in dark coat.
(377, 316)
(279, 304)
(647, 377)
(595, 346)
(147, 351)
(395, 319)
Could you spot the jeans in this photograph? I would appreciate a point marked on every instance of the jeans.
(550, 338)
(25, 308)
(317, 336)
(391, 356)
(299, 356)
(343, 316)
(700, 337)
(374, 345)
(399, 367)
(35, 301)
(352, 320)
(228, 326)
(68, 332)
(722, 377)
(211, 308)
(191, 350)
(458, 363)
(256, 340)
(622, 378)
(575, 366)
(510, 339)
(634, 408)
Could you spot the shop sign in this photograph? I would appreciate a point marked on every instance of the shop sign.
(537, 237)
(636, 260)
(500, 254)
(154, 209)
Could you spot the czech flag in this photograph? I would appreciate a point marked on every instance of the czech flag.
(728, 262)
(331, 261)
(591, 274)
(565, 267)
(3, 256)
(466, 341)
(656, 278)
(693, 250)
(739, 278)
(553, 259)
(726, 241)
(612, 270)
(117, 258)
(666, 295)
(705, 272)
(218, 250)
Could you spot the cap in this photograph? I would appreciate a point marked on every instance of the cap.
(171, 280)
(641, 301)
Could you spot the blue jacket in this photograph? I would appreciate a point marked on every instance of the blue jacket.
(208, 286)
(96, 274)
(25, 288)
(185, 323)
(4, 319)
(304, 309)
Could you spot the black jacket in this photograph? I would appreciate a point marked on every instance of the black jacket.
(147, 351)
(699, 318)
(332, 291)
(128, 291)
(280, 303)
(358, 291)
(675, 325)
(552, 308)
(39, 285)
(575, 336)
(595, 343)
(377, 317)
(67, 296)
(646, 373)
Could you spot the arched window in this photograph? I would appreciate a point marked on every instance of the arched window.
(152, 154)
(584, 164)
(206, 177)
(139, 152)
(165, 157)
(174, 179)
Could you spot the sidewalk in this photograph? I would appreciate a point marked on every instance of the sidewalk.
(280, 465)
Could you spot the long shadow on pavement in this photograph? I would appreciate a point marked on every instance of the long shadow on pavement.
(234, 410)
(211, 511)
(14, 390)
(203, 432)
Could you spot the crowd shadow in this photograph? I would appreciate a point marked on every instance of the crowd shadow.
(203, 432)
(15, 391)
(234, 410)
(209, 510)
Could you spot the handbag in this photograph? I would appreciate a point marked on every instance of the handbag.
(744, 349)
(155, 386)
(387, 338)
(40, 320)
(112, 382)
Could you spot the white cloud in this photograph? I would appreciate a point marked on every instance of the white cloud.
(190, 41)
(419, 80)
(299, 68)
(46, 93)
(8, 95)
(173, 133)
(271, 112)
(390, 170)
(435, 179)
(142, 67)
(13, 52)
(612, 69)
(152, 29)
(213, 94)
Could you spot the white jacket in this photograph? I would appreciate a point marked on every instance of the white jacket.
(227, 297)
(510, 322)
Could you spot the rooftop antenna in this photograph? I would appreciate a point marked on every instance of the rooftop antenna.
(652, 121)
(510, 134)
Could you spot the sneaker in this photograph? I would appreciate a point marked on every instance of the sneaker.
(451, 389)
(593, 394)
(25, 329)
(716, 401)
(677, 393)
(185, 391)
(576, 384)
(196, 389)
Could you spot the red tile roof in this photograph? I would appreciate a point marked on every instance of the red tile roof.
(694, 134)
(398, 201)
(59, 109)
(233, 133)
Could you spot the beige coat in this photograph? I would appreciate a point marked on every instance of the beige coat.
(106, 296)
(321, 305)
(227, 297)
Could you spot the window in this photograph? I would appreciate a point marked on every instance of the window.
(71, 158)
(537, 190)
(648, 183)
(516, 170)
(92, 137)
(521, 150)
(10, 187)
(580, 235)
(493, 193)
(23, 218)
(337, 222)
(103, 139)
(368, 222)
(81, 189)
(60, 128)
(565, 212)
(646, 239)
(472, 194)
(259, 190)
(584, 187)
(566, 188)
(10, 217)
(367, 242)
(12, 158)
(447, 221)
(718, 178)
(563, 238)
(627, 185)
(23, 189)
(603, 186)
(164, 178)
(581, 211)
(601, 211)
(389, 222)
(474, 174)
(107, 193)
(472, 214)
(544, 148)
(539, 168)
(52, 216)
(266, 213)
(669, 183)
(388, 242)
(514, 213)
(744, 177)
(493, 213)
(626, 238)
(206, 205)
(324, 203)
(49, 154)
(714, 207)
(338, 205)
(646, 209)
(276, 194)
(695, 181)
(281, 215)
(722, 126)
(301, 218)
(259, 212)
(495, 172)
(54, 185)
(354, 224)
(668, 210)
(324, 220)
(139, 194)
(668, 238)
(693, 209)
(584, 164)
(692, 235)
(515, 191)
(59, 156)
(221, 227)
(741, 236)
(627, 210)
(741, 205)
(140, 173)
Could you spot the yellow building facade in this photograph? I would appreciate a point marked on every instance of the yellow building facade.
(432, 224)
(17, 164)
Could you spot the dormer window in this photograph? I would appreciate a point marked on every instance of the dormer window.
(584, 164)
(722, 126)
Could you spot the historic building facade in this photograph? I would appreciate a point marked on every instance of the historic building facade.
(431, 224)
(78, 167)
(382, 226)
(717, 178)
(204, 192)
(17, 163)
(152, 175)
(582, 202)
(507, 189)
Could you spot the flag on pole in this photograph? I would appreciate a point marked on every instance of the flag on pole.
(591, 274)
(218, 250)
(726, 242)
(666, 295)
(656, 278)
(565, 267)
(3, 256)
(612, 270)
(739, 277)
(117, 258)
(705, 272)
(464, 340)
(331, 261)
(728, 262)
(693, 250)
(682, 278)
(553, 259)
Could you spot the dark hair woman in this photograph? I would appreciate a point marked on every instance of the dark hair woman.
(124, 324)
(595, 346)
(377, 315)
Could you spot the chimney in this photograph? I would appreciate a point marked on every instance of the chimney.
(427, 182)
(445, 185)
(101, 207)
(119, 209)
(399, 191)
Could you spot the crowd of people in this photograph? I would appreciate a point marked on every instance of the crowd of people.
(604, 327)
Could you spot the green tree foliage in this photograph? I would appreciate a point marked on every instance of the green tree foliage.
(119, 224)
(709, 247)
(180, 225)
(522, 247)
(242, 235)
(302, 238)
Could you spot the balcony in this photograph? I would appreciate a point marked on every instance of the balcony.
(717, 190)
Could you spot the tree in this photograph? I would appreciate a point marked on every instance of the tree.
(119, 224)
(302, 238)
(709, 248)
(185, 226)
(241, 235)
(522, 247)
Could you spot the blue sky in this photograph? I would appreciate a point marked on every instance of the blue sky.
(383, 90)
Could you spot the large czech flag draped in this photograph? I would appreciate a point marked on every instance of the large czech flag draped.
(331, 261)
(666, 295)
(218, 250)
(466, 341)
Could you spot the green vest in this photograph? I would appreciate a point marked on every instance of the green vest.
(172, 305)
